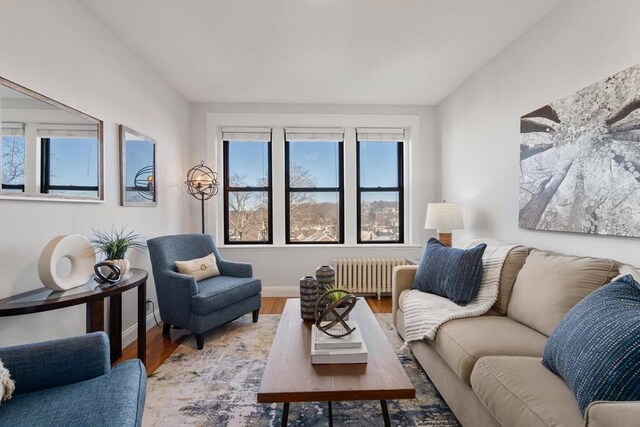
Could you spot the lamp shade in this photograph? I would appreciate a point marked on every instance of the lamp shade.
(444, 217)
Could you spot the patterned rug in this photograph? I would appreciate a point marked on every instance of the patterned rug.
(217, 386)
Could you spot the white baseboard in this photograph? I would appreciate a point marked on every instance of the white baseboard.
(281, 291)
(131, 334)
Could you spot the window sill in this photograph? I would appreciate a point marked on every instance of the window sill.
(324, 246)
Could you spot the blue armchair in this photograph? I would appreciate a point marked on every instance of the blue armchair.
(200, 306)
(69, 382)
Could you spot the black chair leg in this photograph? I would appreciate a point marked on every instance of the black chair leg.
(200, 341)
(255, 314)
(166, 328)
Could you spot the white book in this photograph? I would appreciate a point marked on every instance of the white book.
(337, 356)
(324, 341)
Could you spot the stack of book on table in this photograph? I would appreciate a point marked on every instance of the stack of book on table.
(326, 349)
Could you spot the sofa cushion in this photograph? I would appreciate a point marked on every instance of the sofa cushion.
(221, 291)
(519, 391)
(512, 265)
(596, 346)
(114, 399)
(549, 284)
(450, 272)
(462, 342)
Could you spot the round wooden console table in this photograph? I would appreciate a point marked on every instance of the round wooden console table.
(93, 295)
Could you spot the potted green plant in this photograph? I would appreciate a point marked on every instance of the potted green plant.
(115, 244)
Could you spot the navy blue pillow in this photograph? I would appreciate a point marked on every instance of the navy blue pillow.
(450, 272)
(596, 346)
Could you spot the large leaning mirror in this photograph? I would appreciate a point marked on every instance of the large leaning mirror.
(50, 151)
(137, 169)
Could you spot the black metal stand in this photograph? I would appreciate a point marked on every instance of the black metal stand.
(285, 413)
(202, 210)
(383, 404)
(385, 413)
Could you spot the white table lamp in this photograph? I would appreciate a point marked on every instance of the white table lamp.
(444, 217)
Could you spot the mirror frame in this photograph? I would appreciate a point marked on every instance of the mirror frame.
(100, 140)
(123, 166)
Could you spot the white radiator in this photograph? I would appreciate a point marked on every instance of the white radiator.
(366, 276)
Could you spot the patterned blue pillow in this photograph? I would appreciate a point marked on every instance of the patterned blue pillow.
(450, 272)
(596, 346)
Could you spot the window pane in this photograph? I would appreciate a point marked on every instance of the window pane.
(314, 217)
(248, 163)
(378, 164)
(248, 216)
(74, 162)
(379, 216)
(12, 161)
(314, 164)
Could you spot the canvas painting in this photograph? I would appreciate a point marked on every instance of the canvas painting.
(580, 160)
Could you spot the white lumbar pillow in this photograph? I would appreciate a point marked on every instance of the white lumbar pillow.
(7, 385)
(199, 268)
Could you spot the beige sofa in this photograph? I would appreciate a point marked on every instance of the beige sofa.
(488, 369)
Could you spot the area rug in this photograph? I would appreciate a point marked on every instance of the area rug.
(217, 386)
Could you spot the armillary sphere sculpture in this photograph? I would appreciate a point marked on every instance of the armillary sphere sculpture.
(144, 183)
(202, 183)
(347, 301)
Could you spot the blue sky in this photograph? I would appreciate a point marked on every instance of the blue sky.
(139, 155)
(378, 161)
(74, 161)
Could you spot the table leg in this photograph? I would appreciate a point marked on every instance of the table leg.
(385, 413)
(115, 326)
(95, 315)
(330, 414)
(142, 322)
(285, 414)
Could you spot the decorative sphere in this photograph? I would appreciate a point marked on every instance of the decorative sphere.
(327, 305)
(202, 182)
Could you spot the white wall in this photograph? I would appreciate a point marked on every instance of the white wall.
(60, 50)
(274, 264)
(574, 46)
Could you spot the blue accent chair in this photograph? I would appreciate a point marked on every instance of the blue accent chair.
(69, 382)
(200, 306)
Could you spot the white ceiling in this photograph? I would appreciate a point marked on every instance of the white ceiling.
(321, 52)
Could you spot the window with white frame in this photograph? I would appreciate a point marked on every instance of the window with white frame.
(380, 189)
(247, 186)
(314, 186)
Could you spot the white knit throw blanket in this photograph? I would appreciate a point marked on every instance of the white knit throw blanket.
(424, 313)
(7, 386)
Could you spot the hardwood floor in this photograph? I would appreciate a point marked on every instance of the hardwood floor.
(159, 347)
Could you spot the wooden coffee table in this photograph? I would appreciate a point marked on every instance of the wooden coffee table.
(290, 377)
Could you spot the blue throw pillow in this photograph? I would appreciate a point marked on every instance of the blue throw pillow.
(596, 346)
(450, 272)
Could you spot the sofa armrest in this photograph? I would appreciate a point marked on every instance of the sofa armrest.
(56, 363)
(401, 279)
(612, 414)
(235, 269)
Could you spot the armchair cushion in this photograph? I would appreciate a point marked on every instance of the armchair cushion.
(218, 292)
(114, 399)
(57, 363)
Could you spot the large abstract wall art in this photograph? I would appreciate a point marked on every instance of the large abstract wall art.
(580, 160)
